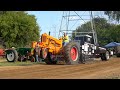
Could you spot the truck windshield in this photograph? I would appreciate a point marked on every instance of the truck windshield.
(82, 39)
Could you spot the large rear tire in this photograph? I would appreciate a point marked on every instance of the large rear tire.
(72, 53)
(11, 55)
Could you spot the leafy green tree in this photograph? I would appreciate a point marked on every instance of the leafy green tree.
(115, 15)
(18, 29)
(115, 33)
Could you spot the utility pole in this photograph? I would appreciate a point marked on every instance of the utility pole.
(93, 28)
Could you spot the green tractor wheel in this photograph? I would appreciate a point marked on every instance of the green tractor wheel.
(11, 55)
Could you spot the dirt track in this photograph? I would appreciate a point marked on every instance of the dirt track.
(90, 70)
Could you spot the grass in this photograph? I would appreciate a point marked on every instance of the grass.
(4, 62)
(17, 63)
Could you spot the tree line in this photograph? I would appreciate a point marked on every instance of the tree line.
(18, 28)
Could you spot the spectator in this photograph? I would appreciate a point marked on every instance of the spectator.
(37, 48)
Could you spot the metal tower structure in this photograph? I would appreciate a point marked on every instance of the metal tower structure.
(71, 20)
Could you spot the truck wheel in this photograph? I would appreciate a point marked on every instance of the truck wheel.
(49, 59)
(105, 56)
(11, 55)
(72, 53)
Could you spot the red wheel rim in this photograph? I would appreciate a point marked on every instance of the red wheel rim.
(74, 53)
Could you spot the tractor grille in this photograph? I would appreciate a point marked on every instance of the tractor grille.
(44, 38)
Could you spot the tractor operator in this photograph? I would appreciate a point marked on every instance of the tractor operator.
(65, 39)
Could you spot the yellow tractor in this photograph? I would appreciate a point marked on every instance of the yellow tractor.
(52, 50)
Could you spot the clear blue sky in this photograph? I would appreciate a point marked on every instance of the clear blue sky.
(50, 20)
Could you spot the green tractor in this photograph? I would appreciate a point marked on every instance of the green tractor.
(20, 54)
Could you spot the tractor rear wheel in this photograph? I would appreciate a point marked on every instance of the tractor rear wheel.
(72, 53)
(11, 55)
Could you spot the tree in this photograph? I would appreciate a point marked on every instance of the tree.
(115, 33)
(18, 29)
(113, 15)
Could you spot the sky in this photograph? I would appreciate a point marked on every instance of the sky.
(51, 20)
(48, 20)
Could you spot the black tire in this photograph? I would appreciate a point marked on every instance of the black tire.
(69, 58)
(102, 56)
(49, 59)
(105, 56)
(82, 58)
(11, 55)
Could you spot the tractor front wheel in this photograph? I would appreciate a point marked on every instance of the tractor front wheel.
(11, 55)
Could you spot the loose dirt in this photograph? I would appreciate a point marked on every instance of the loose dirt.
(96, 69)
